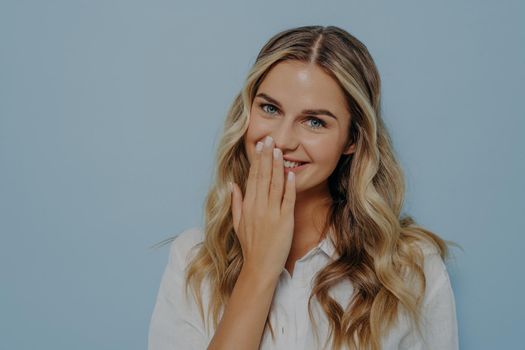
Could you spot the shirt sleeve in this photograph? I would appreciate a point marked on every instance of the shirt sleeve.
(439, 324)
(175, 323)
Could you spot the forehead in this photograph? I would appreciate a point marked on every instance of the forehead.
(301, 85)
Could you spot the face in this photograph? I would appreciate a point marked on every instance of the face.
(305, 112)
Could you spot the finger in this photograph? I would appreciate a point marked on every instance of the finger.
(236, 206)
(288, 203)
(251, 182)
(276, 186)
(264, 173)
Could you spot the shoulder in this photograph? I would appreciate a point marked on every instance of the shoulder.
(427, 248)
(184, 245)
(435, 270)
(434, 265)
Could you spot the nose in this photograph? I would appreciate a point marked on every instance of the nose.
(285, 136)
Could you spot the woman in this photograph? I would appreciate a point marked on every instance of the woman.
(309, 250)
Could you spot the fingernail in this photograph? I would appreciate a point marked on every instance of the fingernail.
(268, 141)
(276, 153)
(230, 185)
(259, 146)
(290, 176)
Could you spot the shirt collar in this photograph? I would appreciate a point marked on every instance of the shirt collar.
(327, 246)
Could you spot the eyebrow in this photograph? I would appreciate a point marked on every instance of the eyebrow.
(306, 111)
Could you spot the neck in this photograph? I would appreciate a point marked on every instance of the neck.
(310, 214)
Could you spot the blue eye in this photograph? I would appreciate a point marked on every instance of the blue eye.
(262, 105)
(321, 123)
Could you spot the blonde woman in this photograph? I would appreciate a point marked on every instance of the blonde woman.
(309, 250)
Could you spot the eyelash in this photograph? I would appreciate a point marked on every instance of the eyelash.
(322, 122)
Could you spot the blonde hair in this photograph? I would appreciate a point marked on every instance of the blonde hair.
(379, 251)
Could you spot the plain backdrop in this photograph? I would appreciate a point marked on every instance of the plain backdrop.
(110, 112)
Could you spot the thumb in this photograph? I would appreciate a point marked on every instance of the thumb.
(236, 205)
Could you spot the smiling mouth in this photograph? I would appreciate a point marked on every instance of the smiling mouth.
(295, 167)
(289, 164)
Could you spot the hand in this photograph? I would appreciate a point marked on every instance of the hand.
(264, 220)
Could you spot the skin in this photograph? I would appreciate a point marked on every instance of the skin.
(276, 220)
(299, 86)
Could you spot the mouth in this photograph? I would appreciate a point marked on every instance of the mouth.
(291, 164)
(295, 167)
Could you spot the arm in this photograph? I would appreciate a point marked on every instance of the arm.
(244, 318)
(263, 221)
(438, 315)
(440, 328)
(174, 323)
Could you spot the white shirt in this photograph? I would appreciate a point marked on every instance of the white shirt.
(176, 324)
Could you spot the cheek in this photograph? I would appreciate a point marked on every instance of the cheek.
(257, 130)
(325, 152)
(253, 134)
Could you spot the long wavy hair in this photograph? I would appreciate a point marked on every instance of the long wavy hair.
(379, 249)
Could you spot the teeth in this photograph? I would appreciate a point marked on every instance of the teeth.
(291, 164)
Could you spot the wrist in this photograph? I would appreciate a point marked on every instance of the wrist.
(258, 277)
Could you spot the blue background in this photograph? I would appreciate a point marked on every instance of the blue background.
(110, 112)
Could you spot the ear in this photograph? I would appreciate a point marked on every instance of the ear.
(350, 149)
